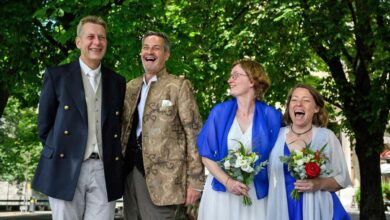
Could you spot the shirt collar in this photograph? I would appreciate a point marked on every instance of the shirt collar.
(153, 79)
(86, 70)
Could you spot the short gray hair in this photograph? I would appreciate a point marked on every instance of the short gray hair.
(90, 19)
(167, 43)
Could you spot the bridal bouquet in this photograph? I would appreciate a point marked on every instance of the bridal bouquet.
(306, 164)
(240, 165)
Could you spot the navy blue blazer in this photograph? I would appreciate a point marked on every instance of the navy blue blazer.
(63, 129)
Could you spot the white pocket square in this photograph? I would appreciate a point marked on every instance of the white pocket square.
(166, 103)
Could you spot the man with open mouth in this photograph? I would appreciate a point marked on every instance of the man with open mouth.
(163, 170)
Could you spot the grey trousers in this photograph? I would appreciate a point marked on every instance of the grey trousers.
(90, 199)
(138, 204)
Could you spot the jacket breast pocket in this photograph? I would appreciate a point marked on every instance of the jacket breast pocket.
(167, 110)
(167, 113)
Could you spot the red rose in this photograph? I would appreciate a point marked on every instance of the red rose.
(312, 170)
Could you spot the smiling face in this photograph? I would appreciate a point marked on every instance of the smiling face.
(302, 108)
(153, 54)
(92, 43)
(239, 82)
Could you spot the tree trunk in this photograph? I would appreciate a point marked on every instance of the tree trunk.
(371, 203)
(4, 94)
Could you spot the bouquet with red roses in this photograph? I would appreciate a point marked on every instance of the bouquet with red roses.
(306, 164)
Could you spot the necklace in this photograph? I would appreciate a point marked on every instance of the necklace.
(299, 134)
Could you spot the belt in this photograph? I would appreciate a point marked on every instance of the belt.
(94, 156)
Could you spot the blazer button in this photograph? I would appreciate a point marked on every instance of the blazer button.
(66, 107)
(116, 158)
(66, 132)
(117, 113)
(115, 135)
(62, 155)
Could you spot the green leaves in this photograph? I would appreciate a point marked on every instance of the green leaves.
(339, 47)
(19, 146)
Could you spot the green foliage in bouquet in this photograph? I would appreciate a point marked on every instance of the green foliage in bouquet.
(240, 164)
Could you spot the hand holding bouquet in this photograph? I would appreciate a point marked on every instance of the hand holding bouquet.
(306, 164)
(241, 165)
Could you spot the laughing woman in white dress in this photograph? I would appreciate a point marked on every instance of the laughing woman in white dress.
(252, 122)
(305, 117)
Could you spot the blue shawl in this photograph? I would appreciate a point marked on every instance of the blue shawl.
(212, 139)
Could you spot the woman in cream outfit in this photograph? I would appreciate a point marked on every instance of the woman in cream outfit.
(305, 117)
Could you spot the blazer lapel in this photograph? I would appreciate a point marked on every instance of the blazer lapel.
(76, 89)
(107, 93)
(137, 97)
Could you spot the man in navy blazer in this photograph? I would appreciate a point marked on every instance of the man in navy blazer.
(79, 123)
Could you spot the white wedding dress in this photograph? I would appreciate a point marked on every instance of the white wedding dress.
(216, 205)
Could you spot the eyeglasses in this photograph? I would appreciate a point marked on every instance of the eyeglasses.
(235, 75)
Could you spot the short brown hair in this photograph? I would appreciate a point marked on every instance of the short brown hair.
(320, 118)
(257, 75)
(90, 19)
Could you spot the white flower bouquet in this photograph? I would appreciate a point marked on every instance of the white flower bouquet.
(240, 165)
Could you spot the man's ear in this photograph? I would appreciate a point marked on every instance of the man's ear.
(78, 41)
(167, 55)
